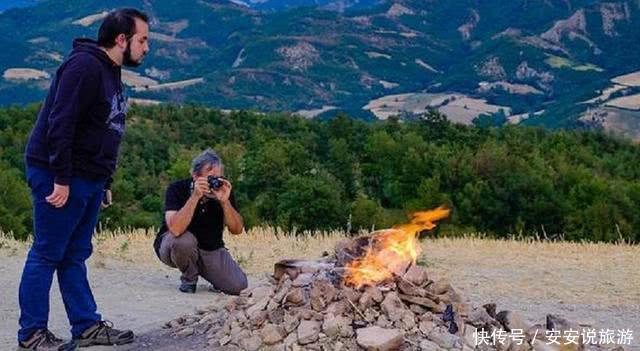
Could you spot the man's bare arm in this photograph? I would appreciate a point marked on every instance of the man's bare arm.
(178, 221)
(232, 219)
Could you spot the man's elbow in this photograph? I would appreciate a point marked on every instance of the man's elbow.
(237, 229)
(176, 232)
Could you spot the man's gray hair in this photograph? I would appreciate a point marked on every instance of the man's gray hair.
(207, 157)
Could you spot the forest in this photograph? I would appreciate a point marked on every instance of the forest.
(303, 175)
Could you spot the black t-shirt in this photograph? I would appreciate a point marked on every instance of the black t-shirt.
(207, 223)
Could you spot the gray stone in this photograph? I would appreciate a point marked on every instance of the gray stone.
(338, 308)
(426, 345)
(303, 280)
(379, 339)
(370, 315)
(308, 314)
(422, 301)
(260, 292)
(470, 336)
(512, 320)
(416, 275)
(238, 335)
(479, 318)
(188, 331)
(257, 307)
(350, 294)
(276, 316)
(252, 343)
(461, 308)
(555, 322)
(295, 297)
(417, 309)
(337, 326)
(370, 297)
(291, 322)
(258, 318)
(445, 340)
(225, 340)
(426, 326)
(282, 291)
(491, 309)
(411, 289)
(322, 293)
(383, 322)
(440, 287)
(393, 307)
(407, 322)
(291, 339)
(308, 332)
(272, 334)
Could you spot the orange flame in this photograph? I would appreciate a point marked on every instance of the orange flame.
(392, 250)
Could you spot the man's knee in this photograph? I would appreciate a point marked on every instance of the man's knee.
(235, 285)
(46, 255)
(184, 245)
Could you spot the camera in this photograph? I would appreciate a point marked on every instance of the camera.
(215, 183)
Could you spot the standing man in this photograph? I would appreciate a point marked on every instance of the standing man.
(70, 157)
(196, 211)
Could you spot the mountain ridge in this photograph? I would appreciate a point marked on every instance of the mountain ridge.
(527, 55)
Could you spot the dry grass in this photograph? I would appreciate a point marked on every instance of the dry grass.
(574, 273)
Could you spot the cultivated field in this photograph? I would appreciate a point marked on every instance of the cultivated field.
(631, 79)
(631, 102)
(459, 108)
(25, 74)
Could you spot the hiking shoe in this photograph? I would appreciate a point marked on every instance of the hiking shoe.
(103, 333)
(44, 340)
(188, 288)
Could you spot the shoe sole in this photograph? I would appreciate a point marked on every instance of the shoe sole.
(66, 347)
(86, 343)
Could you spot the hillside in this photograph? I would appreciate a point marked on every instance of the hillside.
(523, 57)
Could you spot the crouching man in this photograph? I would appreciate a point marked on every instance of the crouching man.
(196, 211)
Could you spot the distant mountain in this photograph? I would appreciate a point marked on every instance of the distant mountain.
(9, 4)
(521, 61)
(333, 5)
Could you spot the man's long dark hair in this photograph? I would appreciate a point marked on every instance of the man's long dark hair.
(120, 21)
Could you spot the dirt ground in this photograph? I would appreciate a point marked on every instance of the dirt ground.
(586, 283)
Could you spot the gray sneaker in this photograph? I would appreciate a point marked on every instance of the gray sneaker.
(45, 340)
(103, 333)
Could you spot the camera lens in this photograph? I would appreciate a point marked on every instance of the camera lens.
(214, 182)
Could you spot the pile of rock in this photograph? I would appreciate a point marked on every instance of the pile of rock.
(305, 305)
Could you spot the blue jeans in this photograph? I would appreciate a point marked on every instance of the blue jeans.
(61, 243)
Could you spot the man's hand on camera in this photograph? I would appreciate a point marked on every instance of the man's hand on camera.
(200, 188)
(222, 194)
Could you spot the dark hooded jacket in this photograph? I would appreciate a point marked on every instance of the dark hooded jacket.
(80, 125)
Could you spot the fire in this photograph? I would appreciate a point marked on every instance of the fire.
(392, 250)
